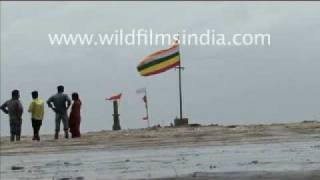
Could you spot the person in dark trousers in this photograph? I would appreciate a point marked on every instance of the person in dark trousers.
(60, 104)
(36, 108)
(75, 117)
(14, 109)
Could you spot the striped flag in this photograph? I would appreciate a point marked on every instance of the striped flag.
(160, 61)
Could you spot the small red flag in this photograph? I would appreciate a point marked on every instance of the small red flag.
(145, 118)
(115, 97)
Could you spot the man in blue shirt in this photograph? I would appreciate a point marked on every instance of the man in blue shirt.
(60, 104)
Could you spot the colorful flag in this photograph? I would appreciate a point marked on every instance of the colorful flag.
(141, 90)
(160, 61)
(115, 97)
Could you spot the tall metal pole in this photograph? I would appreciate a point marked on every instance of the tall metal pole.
(180, 83)
(180, 90)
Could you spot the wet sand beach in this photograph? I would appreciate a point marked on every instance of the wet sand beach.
(292, 175)
(167, 137)
(276, 151)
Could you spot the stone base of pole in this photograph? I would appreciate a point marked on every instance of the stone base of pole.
(181, 122)
(116, 119)
(116, 122)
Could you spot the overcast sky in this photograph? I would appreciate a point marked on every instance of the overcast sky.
(223, 85)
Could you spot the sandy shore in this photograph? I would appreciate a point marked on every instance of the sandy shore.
(167, 137)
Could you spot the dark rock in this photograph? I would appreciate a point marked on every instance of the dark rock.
(254, 162)
(17, 168)
(194, 174)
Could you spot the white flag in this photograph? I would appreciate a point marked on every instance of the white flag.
(141, 90)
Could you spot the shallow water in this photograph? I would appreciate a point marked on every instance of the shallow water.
(163, 162)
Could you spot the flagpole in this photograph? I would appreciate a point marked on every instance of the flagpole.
(147, 109)
(180, 84)
(180, 90)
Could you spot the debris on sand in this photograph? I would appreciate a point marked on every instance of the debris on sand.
(232, 126)
(194, 125)
(71, 178)
(310, 121)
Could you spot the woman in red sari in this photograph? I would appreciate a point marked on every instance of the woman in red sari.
(75, 117)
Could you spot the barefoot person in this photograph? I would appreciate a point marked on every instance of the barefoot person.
(14, 108)
(36, 108)
(60, 104)
(75, 117)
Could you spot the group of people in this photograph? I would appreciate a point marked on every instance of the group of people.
(59, 103)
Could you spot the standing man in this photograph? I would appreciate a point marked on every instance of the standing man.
(36, 109)
(14, 108)
(60, 104)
